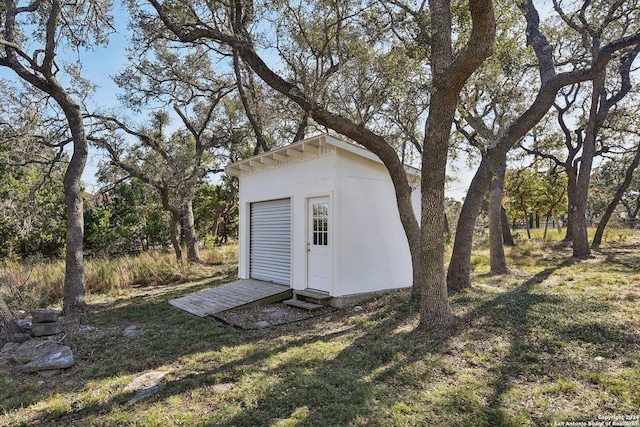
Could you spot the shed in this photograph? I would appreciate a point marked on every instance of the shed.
(321, 215)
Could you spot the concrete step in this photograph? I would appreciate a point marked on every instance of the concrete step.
(312, 296)
(302, 304)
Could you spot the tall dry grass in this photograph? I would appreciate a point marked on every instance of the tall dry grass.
(39, 283)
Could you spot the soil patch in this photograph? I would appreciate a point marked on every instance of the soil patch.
(265, 316)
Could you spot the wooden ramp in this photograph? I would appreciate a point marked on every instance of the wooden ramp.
(242, 293)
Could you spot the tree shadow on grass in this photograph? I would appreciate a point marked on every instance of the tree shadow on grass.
(542, 329)
(623, 257)
(365, 373)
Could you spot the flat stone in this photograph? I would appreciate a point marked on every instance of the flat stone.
(146, 385)
(141, 394)
(60, 359)
(43, 329)
(33, 349)
(131, 331)
(45, 315)
(222, 388)
(146, 380)
(86, 328)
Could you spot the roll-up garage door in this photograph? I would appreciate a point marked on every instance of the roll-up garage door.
(270, 236)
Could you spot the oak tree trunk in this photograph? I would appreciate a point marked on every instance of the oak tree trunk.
(174, 222)
(497, 259)
(174, 232)
(459, 271)
(435, 308)
(577, 217)
(6, 320)
(546, 227)
(74, 292)
(507, 237)
(191, 237)
(45, 80)
(449, 76)
(224, 209)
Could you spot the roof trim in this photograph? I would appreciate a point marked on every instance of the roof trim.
(308, 148)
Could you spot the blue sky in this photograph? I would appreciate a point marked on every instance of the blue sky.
(100, 66)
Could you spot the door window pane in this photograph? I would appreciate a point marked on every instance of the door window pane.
(321, 224)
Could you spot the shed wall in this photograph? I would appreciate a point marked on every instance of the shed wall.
(373, 249)
(313, 177)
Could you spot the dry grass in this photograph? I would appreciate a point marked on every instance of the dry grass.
(39, 283)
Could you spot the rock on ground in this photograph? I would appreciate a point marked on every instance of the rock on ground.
(146, 385)
(7, 351)
(59, 358)
(131, 331)
(34, 349)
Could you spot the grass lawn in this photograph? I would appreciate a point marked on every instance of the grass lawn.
(554, 342)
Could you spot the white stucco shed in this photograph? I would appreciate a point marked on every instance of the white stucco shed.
(321, 215)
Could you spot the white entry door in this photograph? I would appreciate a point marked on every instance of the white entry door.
(319, 271)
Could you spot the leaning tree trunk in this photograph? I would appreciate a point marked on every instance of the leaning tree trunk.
(225, 207)
(527, 223)
(546, 227)
(628, 177)
(174, 232)
(188, 224)
(459, 271)
(507, 237)
(174, 222)
(497, 260)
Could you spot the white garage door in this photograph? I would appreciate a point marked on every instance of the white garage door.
(270, 241)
